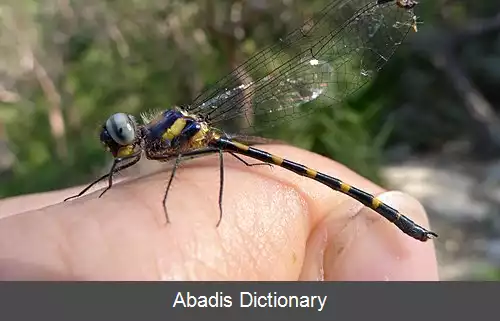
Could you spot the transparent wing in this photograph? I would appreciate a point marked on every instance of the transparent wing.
(325, 60)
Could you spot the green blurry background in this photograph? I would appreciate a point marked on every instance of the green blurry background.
(426, 124)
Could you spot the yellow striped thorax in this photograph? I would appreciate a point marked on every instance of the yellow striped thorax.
(174, 130)
(176, 127)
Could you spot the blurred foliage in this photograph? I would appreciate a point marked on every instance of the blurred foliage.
(67, 65)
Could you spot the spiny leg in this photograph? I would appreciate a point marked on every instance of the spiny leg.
(221, 185)
(221, 188)
(87, 188)
(110, 178)
(176, 165)
(248, 164)
(113, 169)
(195, 153)
(120, 168)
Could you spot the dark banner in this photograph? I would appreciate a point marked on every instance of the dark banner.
(248, 301)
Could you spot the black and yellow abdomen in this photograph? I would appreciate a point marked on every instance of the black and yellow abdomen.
(402, 222)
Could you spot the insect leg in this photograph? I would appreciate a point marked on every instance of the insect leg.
(120, 168)
(113, 170)
(221, 187)
(164, 203)
(248, 164)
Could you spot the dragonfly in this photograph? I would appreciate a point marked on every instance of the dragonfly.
(329, 57)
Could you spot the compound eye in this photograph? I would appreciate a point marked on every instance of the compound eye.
(121, 128)
(105, 139)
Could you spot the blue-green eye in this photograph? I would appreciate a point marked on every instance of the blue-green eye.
(121, 127)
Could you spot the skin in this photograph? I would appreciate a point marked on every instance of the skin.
(276, 226)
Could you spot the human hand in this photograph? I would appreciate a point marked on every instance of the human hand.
(276, 225)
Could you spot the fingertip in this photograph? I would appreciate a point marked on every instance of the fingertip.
(362, 245)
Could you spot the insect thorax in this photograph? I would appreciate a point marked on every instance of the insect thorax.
(174, 131)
